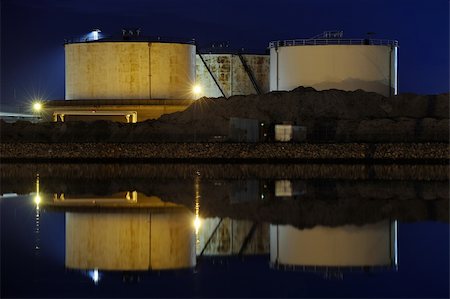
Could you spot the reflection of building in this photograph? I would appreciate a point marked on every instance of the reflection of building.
(349, 246)
(289, 188)
(245, 191)
(222, 237)
(133, 232)
(130, 241)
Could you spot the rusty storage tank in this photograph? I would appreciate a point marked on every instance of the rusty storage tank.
(129, 67)
(221, 71)
(130, 241)
(329, 61)
(348, 246)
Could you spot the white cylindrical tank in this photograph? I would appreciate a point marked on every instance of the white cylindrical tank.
(129, 70)
(370, 245)
(370, 65)
(130, 241)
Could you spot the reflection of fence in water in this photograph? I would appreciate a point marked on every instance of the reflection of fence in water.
(122, 197)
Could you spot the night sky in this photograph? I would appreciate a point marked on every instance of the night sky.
(33, 31)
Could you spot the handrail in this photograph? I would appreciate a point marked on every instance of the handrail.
(339, 41)
(212, 74)
(249, 73)
(143, 38)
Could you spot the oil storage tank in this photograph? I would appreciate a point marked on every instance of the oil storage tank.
(329, 61)
(131, 67)
(221, 71)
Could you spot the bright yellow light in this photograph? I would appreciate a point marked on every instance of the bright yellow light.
(197, 223)
(197, 89)
(37, 106)
(37, 199)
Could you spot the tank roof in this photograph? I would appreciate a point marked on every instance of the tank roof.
(332, 41)
(152, 39)
(229, 51)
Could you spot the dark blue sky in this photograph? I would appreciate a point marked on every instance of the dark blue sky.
(32, 32)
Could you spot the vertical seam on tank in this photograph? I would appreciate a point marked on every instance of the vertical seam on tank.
(231, 74)
(149, 71)
(276, 51)
(396, 70)
(390, 71)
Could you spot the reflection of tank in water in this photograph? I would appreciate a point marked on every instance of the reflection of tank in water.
(147, 234)
(130, 241)
(349, 246)
(223, 237)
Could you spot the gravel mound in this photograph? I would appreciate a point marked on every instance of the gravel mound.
(330, 116)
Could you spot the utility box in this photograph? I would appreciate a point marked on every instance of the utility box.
(286, 133)
(244, 129)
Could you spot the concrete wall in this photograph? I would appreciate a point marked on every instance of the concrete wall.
(346, 67)
(130, 241)
(129, 70)
(349, 245)
(231, 75)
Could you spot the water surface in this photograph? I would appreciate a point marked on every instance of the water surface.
(231, 231)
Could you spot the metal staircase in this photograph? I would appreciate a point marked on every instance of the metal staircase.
(249, 73)
(211, 73)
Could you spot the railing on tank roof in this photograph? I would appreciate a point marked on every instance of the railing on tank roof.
(161, 39)
(338, 41)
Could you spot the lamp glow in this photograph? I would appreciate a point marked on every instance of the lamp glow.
(37, 199)
(95, 33)
(37, 106)
(197, 89)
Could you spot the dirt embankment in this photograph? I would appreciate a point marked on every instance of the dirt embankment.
(237, 152)
(330, 116)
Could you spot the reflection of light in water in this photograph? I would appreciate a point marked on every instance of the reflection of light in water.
(197, 220)
(37, 229)
(396, 244)
(37, 197)
(95, 276)
(37, 201)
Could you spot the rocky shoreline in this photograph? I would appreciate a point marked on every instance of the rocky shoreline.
(230, 152)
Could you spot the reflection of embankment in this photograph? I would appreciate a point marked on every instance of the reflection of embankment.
(302, 203)
(111, 178)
